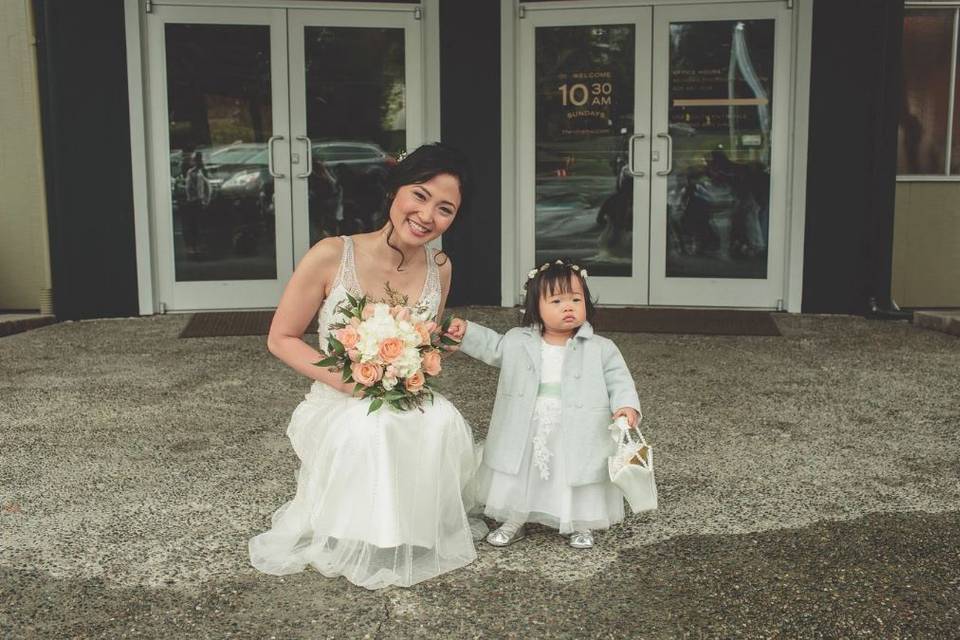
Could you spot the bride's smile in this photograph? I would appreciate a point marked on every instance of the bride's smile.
(421, 212)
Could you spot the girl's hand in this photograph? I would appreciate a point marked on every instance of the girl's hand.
(631, 414)
(456, 330)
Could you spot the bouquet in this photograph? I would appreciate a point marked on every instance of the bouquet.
(392, 353)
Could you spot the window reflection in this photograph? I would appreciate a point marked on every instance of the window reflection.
(356, 119)
(218, 95)
(584, 118)
(721, 84)
(922, 134)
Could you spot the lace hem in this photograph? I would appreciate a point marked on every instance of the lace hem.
(563, 526)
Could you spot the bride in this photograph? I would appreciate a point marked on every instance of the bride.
(382, 499)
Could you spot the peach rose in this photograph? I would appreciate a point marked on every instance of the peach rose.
(403, 314)
(424, 331)
(431, 362)
(367, 312)
(353, 354)
(366, 373)
(348, 337)
(354, 322)
(390, 349)
(415, 382)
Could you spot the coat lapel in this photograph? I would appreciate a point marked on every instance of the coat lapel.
(532, 346)
(585, 331)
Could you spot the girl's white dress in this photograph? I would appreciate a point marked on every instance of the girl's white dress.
(382, 499)
(540, 492)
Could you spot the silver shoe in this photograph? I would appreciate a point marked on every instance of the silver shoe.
(581, 540)
(500, 538)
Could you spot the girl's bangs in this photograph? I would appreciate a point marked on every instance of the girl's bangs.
(557, 281)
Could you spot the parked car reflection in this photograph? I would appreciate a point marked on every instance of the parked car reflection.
(238, 211)
(347, 188)
(719, 209)
(345, 192)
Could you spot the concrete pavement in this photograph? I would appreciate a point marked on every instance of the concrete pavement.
(808, 486)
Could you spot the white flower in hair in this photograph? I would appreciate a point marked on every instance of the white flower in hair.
(583, 273)
(531, 274)
(559, 262)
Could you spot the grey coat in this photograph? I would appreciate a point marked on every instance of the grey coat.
(594, 384)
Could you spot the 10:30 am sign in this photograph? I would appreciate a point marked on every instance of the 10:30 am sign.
(585, 101)
(579, 94)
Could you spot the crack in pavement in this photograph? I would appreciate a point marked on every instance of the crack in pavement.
(384, 620)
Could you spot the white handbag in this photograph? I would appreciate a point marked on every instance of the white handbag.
(631, 467)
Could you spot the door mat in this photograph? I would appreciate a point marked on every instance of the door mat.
(726, 322)
(630, 320)
(231, 323)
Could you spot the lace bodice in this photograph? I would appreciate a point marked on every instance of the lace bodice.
(551, 362)
(346, 282)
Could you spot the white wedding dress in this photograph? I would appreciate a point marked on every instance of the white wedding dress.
(382, 499)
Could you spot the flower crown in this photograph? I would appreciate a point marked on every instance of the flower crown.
(533, 272)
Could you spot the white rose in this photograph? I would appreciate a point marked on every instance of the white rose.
(374, 330)
(368, 346)
(408, 362)
(407, 333)
(389, 383)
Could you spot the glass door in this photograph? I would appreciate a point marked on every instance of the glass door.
(721, 81)
(584, 150)
(356, 105)
(220, 155)
(653, 149)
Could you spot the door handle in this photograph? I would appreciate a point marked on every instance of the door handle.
(309, 156)
(632, 155)
(274, 173)
(669, 168)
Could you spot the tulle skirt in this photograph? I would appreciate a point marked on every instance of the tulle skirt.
(527, 496)
(382, 499)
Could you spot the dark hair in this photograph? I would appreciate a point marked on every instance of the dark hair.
(552, 278)
(423, 164)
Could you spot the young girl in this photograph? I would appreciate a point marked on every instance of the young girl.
(561, 385)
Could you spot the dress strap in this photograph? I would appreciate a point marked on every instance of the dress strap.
(347, 271)
(431, 288)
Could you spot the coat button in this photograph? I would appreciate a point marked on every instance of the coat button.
(520, 394)
(579, 404)
(576, 375)
(529, 367)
